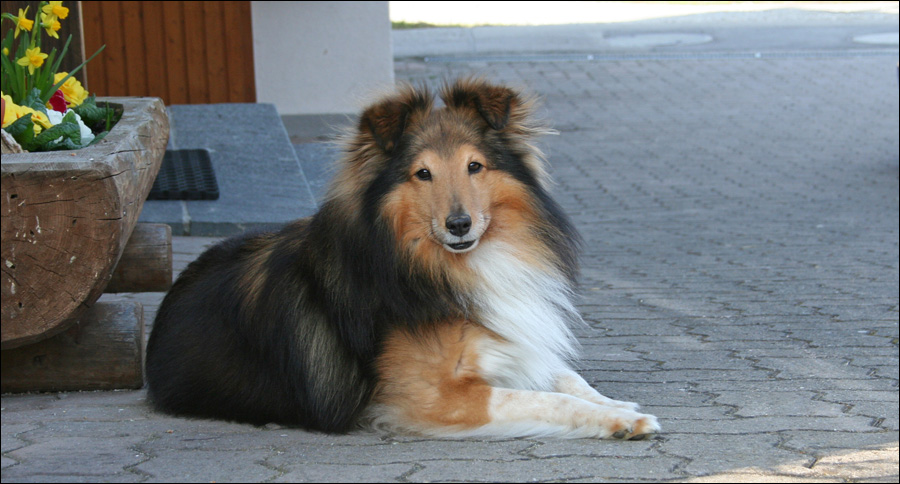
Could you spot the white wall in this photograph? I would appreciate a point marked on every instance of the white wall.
(321, 57)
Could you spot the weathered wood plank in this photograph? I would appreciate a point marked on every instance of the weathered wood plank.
(102, 350)
(146, 262)
(66, 217)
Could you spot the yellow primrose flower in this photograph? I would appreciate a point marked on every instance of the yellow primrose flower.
(73, 91)
(56, 9)
(9, 114)
(33, 58)
(39, 119)
(51, 24)
(14, 112)
(22, 22)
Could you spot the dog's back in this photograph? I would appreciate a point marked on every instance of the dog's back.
(237, 339)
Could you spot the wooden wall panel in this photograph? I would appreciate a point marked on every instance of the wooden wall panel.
(156, 61)
(184, 52)
(173, 31)
(214, 39)
(114, 71)
(238, 33)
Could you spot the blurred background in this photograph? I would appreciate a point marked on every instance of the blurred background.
(323, 57)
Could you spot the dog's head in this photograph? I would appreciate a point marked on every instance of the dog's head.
(446, 178)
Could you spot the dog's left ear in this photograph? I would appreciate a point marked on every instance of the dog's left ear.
(387, 120)
(493, 103)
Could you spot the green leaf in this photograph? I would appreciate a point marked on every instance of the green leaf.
(22, 130)
(42, 78)
(8, 83)
(33, 101)
(68, 144)
(59, 59)
(47, 140)
(16, 128)
(92, 115)
(70, 118)
(8, 80)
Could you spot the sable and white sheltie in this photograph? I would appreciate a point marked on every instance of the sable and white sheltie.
(431, 294)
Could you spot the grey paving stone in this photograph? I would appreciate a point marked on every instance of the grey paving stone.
(345, 473)
(593, 448)
(866, 387)
(723, 453)
(875, 465)
(767, 424)
(200, 466)
(779, 403)
(10, 436)
(697, 413)
(75, 456)
(551, 468)
(65, 477)
(818, 443)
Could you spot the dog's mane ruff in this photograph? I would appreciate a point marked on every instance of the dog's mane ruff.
(532, 309)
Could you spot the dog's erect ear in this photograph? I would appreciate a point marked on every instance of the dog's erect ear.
(387, 120)
(493, 103)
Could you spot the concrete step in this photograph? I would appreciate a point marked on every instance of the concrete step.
(264, 180)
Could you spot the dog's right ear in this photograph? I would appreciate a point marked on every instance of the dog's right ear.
(387, 120)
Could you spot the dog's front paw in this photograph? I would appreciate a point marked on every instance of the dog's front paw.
(630, 425)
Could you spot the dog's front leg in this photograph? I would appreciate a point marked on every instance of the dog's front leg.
(522, 412)
(572, 383)
(433, 384)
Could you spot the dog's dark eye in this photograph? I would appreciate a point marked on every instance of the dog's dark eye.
(475, 167)
(423, 174)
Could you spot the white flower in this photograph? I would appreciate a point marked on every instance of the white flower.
(86, 135)
(56, 117)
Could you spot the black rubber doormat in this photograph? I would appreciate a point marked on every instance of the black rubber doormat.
(185, 175)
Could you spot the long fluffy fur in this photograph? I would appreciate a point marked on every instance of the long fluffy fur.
(288, 326)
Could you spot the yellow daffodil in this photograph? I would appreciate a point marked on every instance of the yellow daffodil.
(33, 58)
(14, 112)
(56, 9)
(51, 24)
(22, 22)
(73, 91)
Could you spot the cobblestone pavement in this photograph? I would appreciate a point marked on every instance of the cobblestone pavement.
(740, 281)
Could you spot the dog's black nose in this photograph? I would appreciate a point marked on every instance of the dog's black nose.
(458, 225)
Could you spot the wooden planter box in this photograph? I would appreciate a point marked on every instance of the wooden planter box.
(66, 217)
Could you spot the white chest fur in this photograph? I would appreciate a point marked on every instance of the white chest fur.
(532, 310)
